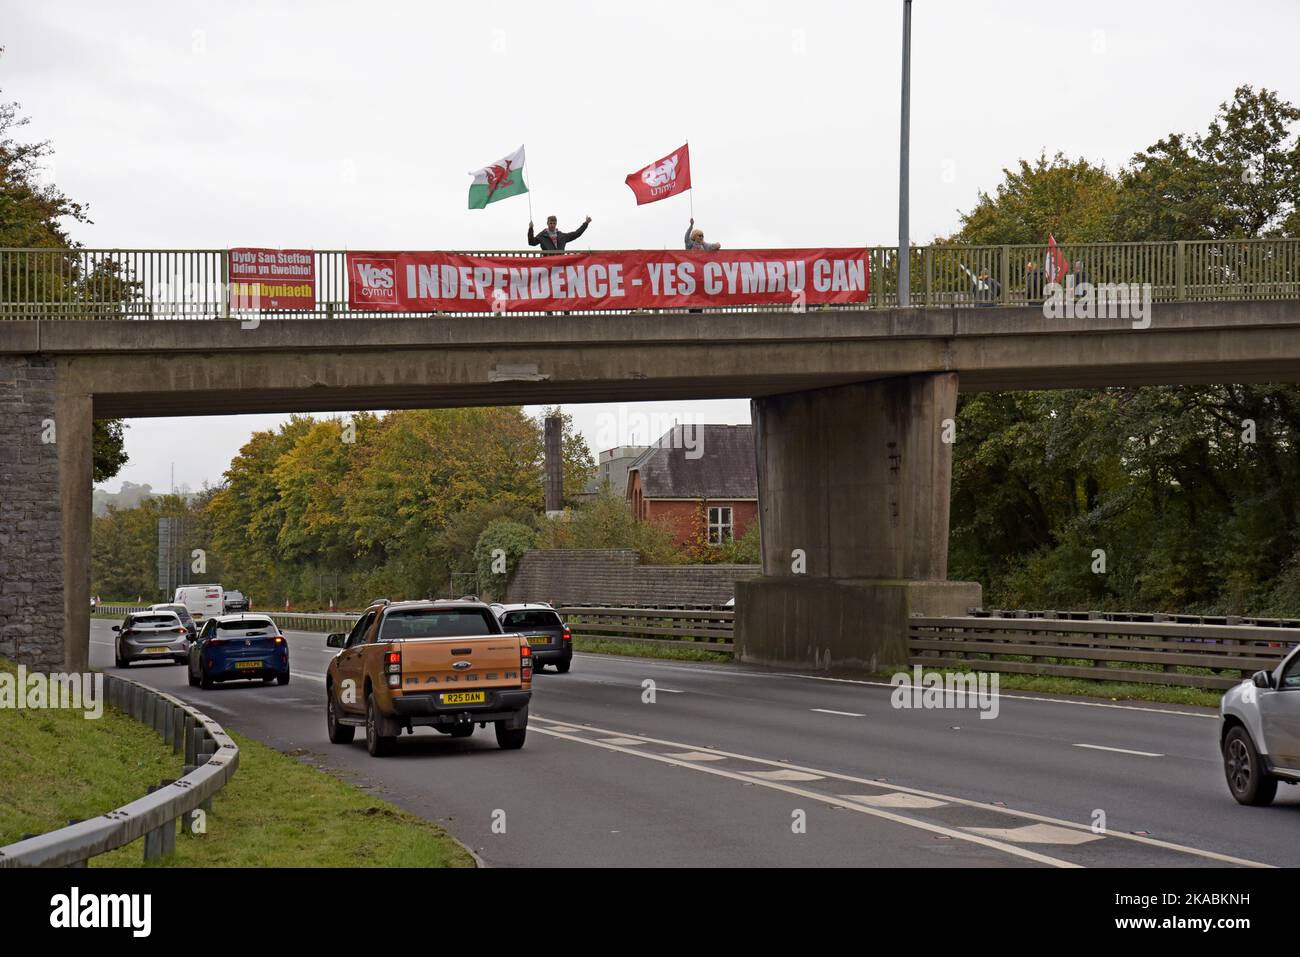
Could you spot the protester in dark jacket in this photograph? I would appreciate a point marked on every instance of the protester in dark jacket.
(1033, 282)
(695, 240)
(987, 290)
(551, 239)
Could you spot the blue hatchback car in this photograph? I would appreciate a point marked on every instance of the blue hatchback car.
(239, 647)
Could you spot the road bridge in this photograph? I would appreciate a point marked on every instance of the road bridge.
(851, 404)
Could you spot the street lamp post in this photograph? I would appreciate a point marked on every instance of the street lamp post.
(904, 257)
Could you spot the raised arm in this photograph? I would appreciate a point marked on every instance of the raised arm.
(689, 227)
(532, 240)
(570, 237)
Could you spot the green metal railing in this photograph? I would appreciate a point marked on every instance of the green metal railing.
(192, 284)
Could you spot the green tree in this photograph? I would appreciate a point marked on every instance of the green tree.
(32, 214)
(497, 553)
(1071, 199)
(1239, 179)
(607, 521)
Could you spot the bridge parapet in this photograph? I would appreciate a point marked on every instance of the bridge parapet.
(194, 283)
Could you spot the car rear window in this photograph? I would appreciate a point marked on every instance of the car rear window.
(162, 618)
(436, 623)
(532, 619)
(247, 625)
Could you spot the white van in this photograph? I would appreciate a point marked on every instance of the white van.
(203, 601)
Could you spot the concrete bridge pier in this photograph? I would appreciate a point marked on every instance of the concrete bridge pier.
(46, 464)
(75, 420)
(853, 486)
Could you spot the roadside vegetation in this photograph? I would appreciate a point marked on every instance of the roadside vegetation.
(688, 650)
(1191, 492)
(277, 811)
(56, 766)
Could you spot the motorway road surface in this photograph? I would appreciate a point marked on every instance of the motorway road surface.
(728, 761)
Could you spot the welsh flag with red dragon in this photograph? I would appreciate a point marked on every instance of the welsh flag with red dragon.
(500, 180)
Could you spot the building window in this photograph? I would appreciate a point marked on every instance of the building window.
(719, 524)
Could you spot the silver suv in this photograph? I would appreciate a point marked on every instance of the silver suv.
(1260, 732)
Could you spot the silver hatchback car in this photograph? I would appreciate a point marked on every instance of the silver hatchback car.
(1259, 732)
(150, 636)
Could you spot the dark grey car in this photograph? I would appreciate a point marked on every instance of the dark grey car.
(540, 621)
(183, 613)
(150, 636)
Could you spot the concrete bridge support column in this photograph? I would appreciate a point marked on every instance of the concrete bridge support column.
(31, 533)
(74, 415)
(853, 486)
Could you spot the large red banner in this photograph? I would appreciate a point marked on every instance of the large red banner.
(262, 279)
(638, 279)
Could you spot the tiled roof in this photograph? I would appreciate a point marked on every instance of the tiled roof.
(700, 461)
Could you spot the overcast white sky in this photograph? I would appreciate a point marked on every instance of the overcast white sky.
(354, 124)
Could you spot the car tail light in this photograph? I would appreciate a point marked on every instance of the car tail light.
(393, 666)
(568, 635)
(526, 662)
(180, 631)
(279, 639)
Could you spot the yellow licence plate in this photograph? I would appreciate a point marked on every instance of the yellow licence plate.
(158, 651)
(247, 664)
(465, 697)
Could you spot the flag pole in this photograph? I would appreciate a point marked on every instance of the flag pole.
(692, 189)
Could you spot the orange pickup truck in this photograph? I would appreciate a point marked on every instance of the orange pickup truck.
(444, 664)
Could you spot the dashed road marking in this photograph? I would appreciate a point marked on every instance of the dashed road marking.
(950, 799)
(1102, 747)
(829, 799)
(846, 714)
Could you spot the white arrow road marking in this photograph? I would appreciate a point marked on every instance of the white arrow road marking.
(1102, 747)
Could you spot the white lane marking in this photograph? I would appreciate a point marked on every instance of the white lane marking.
(1011, 812)
(847, 714)
(1036, 834)
(694, 755)
(733, 672)
(1102, 747)
(824, 799)
(895, 799)
(630, 741)
(783, 775)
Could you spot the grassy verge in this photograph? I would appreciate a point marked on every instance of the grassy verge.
(689, 650)
(55, 765)
(279, 812)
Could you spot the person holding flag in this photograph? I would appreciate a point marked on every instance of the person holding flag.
(551, 239)
(695, 240)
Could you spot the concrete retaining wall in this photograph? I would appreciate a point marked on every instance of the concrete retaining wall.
(616, 576)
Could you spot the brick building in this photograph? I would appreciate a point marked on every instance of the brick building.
(696, 476)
